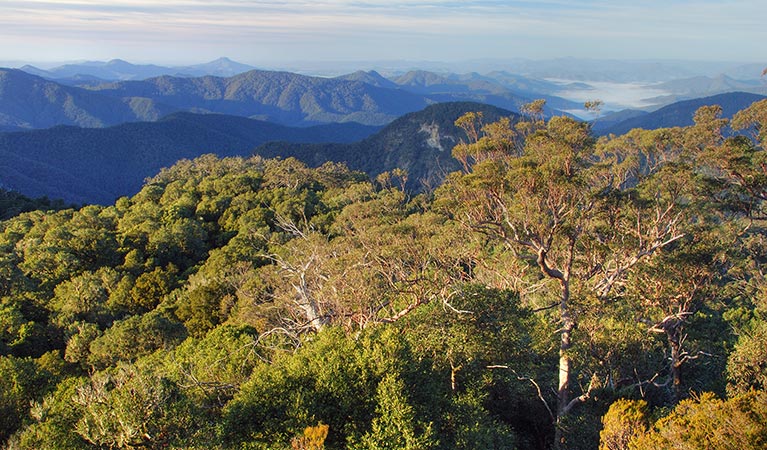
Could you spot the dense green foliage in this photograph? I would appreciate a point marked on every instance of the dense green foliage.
(12, 204)
(556, 291)
(701, 422)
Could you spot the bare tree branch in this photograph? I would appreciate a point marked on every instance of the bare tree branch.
(534, 383)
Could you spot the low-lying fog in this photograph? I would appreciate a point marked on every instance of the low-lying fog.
(616, 96)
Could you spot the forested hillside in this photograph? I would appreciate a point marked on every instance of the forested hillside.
(419, 143)
(98, 165)
(281, 97)
(28, 101)
(557, 291)
(12, 204)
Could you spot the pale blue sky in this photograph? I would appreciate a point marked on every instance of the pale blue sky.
(257, 32)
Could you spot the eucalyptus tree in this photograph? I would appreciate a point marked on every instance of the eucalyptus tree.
(579, 217)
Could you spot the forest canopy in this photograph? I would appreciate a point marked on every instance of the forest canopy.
(560, 291)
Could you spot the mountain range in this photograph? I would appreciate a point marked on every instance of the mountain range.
(616, 71)
(678, 114)
(28, 101)
(118, 69)
(702, 86)
(98, 165)
(91, 132)
(625, 71)
(281, 97)
(98, 94)
(501, 89)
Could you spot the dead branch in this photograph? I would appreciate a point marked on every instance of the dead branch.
(533, 382)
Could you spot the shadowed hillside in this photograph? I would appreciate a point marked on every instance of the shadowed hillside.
(680, 114)
(420, 143)
(92, 165)
(29, 101)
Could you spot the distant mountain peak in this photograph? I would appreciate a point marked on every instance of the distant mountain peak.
(370, 77)
(222, 61)
(222, 67)
(34, 71)
(420, 78)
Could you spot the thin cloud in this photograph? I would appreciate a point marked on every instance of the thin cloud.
(671, 28)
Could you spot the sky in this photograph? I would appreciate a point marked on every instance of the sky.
(258, 32)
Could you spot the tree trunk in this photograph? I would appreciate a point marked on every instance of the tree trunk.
(453, 372)
(675, 365)
(563, 390)
(309, 306)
